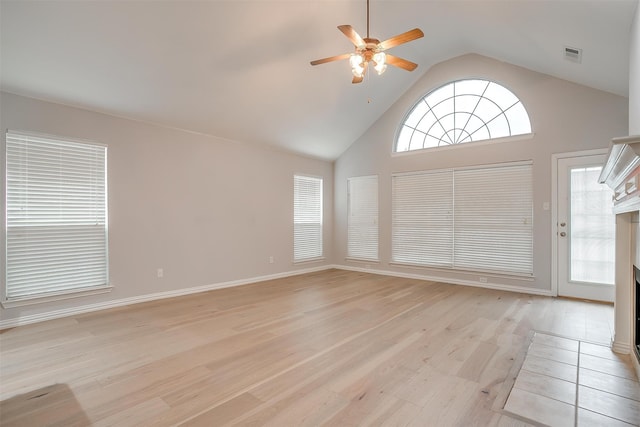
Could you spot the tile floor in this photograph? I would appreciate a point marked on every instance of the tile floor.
(566, 382)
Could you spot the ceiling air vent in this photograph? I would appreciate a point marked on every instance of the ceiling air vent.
(573, 54)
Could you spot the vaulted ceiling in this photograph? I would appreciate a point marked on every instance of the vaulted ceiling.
(240, 69)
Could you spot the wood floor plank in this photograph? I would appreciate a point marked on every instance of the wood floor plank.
(334, 348)
(226, 412)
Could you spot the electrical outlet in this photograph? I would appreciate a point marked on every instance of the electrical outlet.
(271, 259)
(160, 273)
(483, 280)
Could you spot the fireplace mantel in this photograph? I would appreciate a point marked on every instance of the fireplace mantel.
(621, 172)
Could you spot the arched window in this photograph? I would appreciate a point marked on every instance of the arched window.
(460, 112)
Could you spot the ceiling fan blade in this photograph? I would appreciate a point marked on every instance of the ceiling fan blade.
(330, 59)
(352, 35)
(416, 33)
(401, 63)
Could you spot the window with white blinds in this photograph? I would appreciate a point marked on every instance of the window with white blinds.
(478, 219)
(56, 213)
(422, 218)
(307, 218)
(494, 219)
(362, 222)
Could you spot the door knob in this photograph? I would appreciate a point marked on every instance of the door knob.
(562, 224)
(562, 234)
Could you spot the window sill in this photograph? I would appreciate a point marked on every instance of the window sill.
(308, 260)
(486, 273)
(39, 299)
(365, 260)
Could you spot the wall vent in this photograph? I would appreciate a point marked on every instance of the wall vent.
(573, 54)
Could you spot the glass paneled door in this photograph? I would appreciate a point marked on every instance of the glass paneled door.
(585, 230)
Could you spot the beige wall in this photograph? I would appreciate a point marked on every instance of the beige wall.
(206, 210)
(564, 116)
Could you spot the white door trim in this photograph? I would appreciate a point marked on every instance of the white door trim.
(554, 211)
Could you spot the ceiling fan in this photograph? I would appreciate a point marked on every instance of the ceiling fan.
(372, 50)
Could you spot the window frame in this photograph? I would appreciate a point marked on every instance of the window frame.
(474, 143)
(58, 293)
(359, 226)
(451, 265)
(318, 255)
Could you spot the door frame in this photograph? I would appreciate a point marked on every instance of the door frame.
(554, 211)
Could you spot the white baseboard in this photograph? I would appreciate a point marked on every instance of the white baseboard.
(621, 347)
(56, 314)
(625, 348)
(489, 285)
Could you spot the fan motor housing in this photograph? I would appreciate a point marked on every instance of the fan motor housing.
(369, 49)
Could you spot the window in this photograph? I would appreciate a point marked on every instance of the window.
(307, 218)
(56, 217)
(422, 218)
(460, 112)
(362, 223)
(476, 219)
(593, 228)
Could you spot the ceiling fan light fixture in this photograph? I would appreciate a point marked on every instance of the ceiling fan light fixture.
(370, 49)
(357, 64)
(380, 59)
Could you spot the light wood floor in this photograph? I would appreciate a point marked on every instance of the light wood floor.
(330, 348)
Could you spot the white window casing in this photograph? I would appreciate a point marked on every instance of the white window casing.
(422, 219)
(470, 219)
(307, 218)
(460, 112)
(494, 219)
(362, 222)
(56, 217)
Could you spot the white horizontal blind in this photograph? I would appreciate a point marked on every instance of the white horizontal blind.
(56, 216)
(478, 219)
(362, 223)
(422, 218)
(494, 219)
(307, 218)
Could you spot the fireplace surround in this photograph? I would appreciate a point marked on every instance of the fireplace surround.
(621, 173)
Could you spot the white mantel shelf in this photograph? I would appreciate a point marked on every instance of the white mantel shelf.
(621, 172)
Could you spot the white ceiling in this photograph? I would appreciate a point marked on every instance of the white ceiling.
(240, 69)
